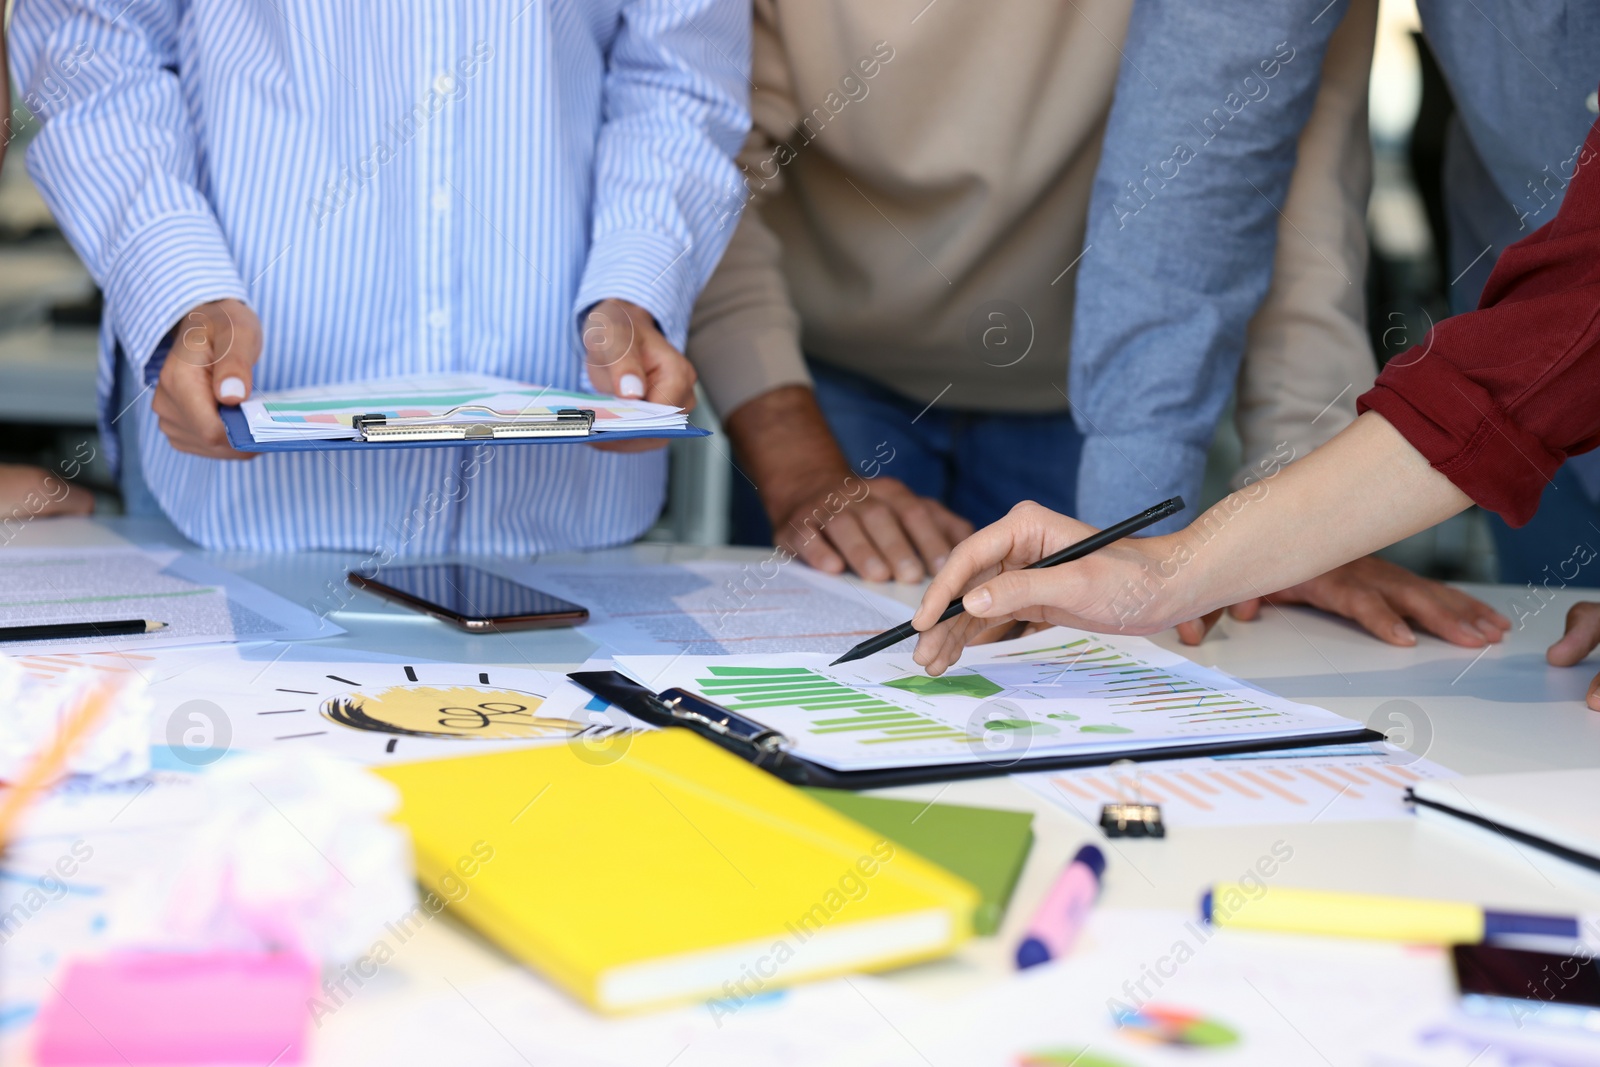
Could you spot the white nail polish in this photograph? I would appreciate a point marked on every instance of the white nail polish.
(631, 385)
(231, 389)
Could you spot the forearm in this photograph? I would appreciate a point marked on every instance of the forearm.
(1307, 355)
(1182, 230)
(97, 74)
(770, 431)
(744, 338)
(5, 95)
(666, 190)
(1365, 489)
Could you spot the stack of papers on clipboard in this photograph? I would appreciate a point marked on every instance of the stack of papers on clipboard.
(459, 407)
(1057, 698)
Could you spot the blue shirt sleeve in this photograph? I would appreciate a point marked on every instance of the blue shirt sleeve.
(667, 191)
(116, 160)
(1199, 149)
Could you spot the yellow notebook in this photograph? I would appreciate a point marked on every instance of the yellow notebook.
(656, 867)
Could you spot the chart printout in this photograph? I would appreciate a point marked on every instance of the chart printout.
(1055, 692)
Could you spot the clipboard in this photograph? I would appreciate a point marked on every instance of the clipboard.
(568, 426)
(771, 750)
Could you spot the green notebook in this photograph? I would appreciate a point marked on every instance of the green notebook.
(985, 846)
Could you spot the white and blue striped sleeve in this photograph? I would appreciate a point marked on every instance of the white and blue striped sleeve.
(116, 159)
(667, 191)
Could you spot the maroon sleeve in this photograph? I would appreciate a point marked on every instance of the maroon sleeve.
(1498, 398)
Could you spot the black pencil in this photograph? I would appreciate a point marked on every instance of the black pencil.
(65, 631)
(1093, 543)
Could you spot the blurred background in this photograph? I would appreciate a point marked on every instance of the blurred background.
(50, 314)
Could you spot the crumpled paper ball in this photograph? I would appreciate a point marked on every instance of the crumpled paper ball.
(297, 854)
(32, 710)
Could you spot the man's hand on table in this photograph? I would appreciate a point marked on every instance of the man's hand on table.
(212, 361)
(827, 515)
(628, 357)
(37, 492)
(1583, 634)
(1379, 596)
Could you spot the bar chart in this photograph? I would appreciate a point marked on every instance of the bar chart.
(1353, 783)
(833, 708)
(1061, 691)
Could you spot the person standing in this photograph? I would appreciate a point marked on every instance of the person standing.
(1167, 306)
(277, 193)
(896, 304)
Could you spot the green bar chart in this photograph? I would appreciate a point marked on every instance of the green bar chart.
(830, 706)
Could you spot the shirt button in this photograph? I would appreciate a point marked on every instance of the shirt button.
(441, 199)
(1593, 103)
(445, 83)
(438, 318)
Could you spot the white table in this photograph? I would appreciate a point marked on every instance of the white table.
(1500, 710)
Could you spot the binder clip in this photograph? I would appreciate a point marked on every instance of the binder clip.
(1131, 819)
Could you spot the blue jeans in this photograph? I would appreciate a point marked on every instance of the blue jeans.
(977, 463)
(1553, 546)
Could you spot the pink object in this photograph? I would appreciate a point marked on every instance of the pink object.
(1056, 925)
(175, 1008)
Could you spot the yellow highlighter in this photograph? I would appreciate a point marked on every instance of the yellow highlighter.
(1424, 922)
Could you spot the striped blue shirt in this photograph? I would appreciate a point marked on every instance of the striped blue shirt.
(395, 188)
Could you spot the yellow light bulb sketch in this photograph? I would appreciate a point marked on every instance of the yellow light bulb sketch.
(462, 711)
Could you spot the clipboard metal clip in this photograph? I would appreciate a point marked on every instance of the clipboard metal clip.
(760, 744)
(692, 708)
(564, 422)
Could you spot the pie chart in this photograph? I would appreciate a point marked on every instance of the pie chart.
(1067, 1057)
(1174, 1026)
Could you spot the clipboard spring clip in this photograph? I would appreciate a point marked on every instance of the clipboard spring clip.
(693, 709)
(563, 422)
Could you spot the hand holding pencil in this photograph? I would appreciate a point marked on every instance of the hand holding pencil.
(1005, 573)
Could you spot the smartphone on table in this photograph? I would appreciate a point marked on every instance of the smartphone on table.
(470, 597)
(1550, 989)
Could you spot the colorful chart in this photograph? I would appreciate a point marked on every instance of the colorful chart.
(834, 708)
(1067, 1057)
(960, 685)
(1343, 783)
(50, 668)
(1126, 683)
(1174, 1026)
(1058, 691)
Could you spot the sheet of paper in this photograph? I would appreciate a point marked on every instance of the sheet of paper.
(85, 839)
(1337, 783)
(55, 903)
(514, 1018)
(1056, 691)
(324, 412)
(199, 604)
(373, 710)
(1461, 1040)
(714, 608)
(1155, 988)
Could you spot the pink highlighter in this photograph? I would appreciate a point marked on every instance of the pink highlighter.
(1059, 920)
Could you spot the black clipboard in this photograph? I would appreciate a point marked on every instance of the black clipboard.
(768, 749)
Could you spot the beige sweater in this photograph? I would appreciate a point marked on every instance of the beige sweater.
(912, 162)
